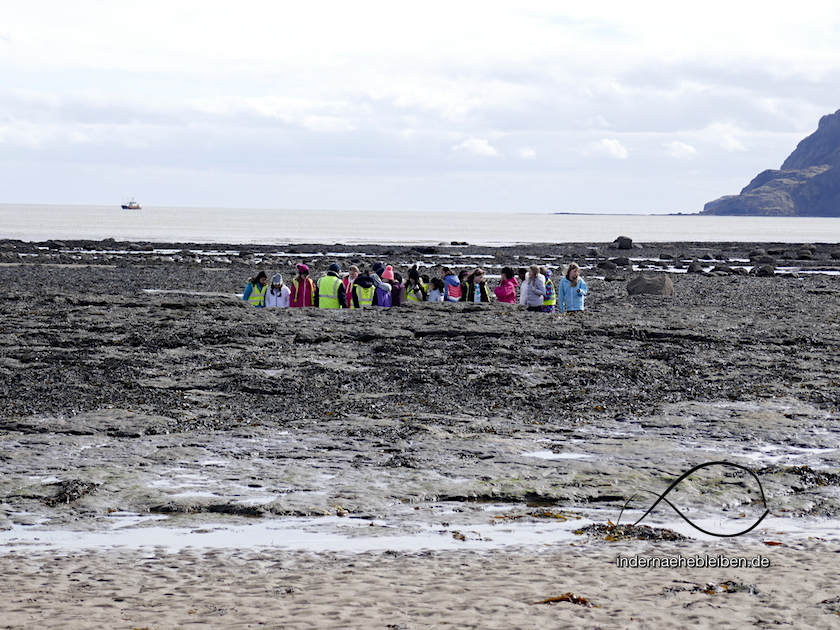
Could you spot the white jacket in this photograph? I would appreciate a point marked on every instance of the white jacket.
(534, 291)
(274, 299)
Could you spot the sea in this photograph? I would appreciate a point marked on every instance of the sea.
(36, 223)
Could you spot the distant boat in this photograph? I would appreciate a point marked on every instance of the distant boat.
(131, 205)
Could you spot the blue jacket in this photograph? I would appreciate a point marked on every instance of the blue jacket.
(570, 298)
(451, 281)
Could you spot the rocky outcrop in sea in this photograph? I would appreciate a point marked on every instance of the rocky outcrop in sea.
(807, 184)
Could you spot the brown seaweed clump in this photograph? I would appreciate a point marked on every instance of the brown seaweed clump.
(70, 490)
(630, 532)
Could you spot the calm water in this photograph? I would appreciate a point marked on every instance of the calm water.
(232, 225)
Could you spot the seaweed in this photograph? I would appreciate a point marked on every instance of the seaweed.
(70, 490)
(570, 598)
(710, 588)
(613, 532)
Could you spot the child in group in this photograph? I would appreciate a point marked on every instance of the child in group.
(550, 297)
(436, 290)
(506, 291)
(395, 279)
(475, 288)
(352, 274)
(534, 289)
(278, 293)
(363, 291)
(522, 275)
(414, 290)
(451, 286)
(572, 291)
(385, 294)
(255, 290)
(303, 288)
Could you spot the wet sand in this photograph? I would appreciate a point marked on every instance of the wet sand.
(138, 389)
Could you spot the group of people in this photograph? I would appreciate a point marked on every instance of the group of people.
(533, 287)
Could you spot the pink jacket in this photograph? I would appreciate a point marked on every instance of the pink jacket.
(506, 291)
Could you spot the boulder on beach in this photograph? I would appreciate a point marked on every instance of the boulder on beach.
(623, 242)
(659, 284)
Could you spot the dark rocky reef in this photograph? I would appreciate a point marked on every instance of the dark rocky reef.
(807, 185)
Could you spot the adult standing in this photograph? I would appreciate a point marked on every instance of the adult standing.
(302, 289)
(255, 290)
(330, 290)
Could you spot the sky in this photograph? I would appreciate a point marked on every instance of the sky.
(494, 106)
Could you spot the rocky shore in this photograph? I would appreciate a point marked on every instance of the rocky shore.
(135, 381)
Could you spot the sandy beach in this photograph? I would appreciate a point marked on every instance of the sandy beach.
(463, 589)
(173, 457)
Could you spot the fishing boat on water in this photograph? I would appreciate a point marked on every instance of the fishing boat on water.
(131, 205)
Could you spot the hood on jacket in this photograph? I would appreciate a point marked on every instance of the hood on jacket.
(365, 282)
(380, 284)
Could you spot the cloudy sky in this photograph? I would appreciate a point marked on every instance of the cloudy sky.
(514, 106)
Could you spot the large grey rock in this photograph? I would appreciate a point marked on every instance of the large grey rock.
(659, 284)
(808, 183)
(623, 242)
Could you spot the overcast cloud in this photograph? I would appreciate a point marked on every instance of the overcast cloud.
(525, 106)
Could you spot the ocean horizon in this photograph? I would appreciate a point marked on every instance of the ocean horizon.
(36, 223)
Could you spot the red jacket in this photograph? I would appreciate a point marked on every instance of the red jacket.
(303, 293)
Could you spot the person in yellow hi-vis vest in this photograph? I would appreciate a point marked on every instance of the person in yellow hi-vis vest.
(255, 290)
(364, 289)
(329, 292)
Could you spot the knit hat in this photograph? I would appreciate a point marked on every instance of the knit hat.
(388, 274)
(378, 268)
(277, 279)
(335, 267)
(548, 273)
(302, 269)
